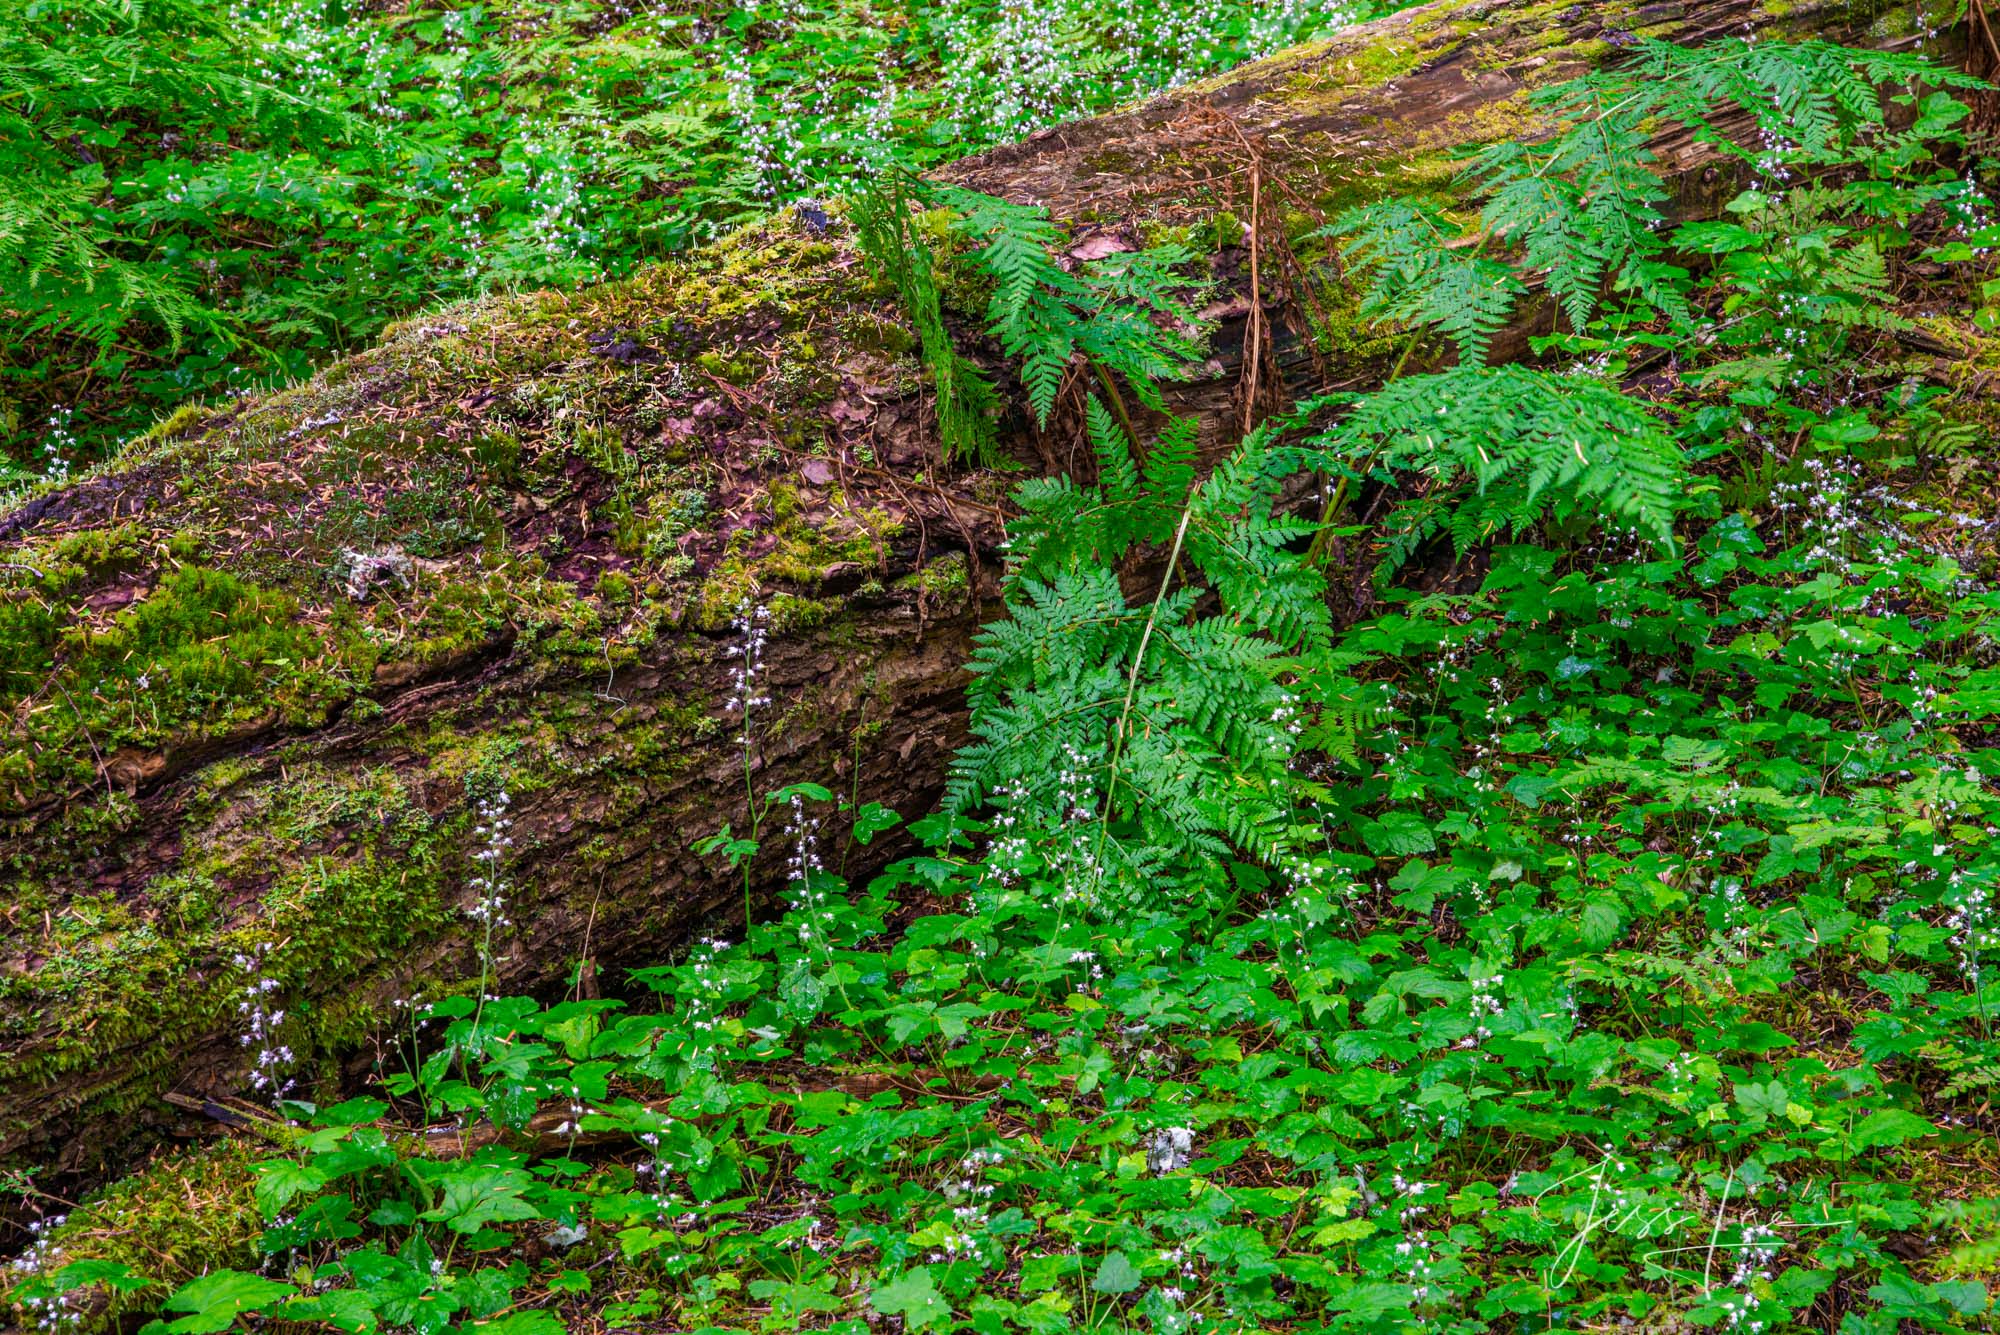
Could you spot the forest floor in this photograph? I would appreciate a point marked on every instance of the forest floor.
(1508, 847)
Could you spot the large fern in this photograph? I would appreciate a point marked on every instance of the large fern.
(1178, 715)
(1526, 440)
(1419, 270)
(1160, 730)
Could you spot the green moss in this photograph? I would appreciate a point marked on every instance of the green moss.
(199, 641)
(1343, 334)
(865, 329)
(1897, 21)
(450, 619)
(362, 876)
(1227, 230)
(810, 545)
(792, 614)
(185, 1214)
(1362, 181)
(1377, 63)
(943, 583)
(614, 587)
(202, 653)
(54, 568)
(737, 370)
(179, 422)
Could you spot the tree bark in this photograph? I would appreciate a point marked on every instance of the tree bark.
(503, 551)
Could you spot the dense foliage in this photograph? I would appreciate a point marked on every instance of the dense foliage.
(1604, 935)
(196, 197)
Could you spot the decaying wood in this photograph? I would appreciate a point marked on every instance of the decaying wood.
(616, 764)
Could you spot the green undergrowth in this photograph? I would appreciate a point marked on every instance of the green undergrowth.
(1596, 930)
(1554, 1040)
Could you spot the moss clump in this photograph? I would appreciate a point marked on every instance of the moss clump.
(384, 490)
(184, 1215)
(864, 329)
(1342, 333)
(199, 641)
(737, 370)
(1432, 176)
(201, 653)
(1901, 21)
(32, 610)
(791, 614)
(614, 588)
(943, 582)
(1375, 64)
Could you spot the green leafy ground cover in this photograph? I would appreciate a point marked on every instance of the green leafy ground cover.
(1601, 933)
(197, 197)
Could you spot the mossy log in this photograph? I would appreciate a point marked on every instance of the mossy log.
(257, 673)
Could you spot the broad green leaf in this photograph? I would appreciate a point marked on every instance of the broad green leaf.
(1890, 1126)
(216, 1299)
(1115, 1274)
(913, 1296)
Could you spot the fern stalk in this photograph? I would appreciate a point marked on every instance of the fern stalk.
(1132, 678)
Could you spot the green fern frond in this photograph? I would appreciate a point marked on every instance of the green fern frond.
(1580, 209)
(967, 403)
(1126, 313)
(1519, 433)
(1408, 254)
(1182, 719)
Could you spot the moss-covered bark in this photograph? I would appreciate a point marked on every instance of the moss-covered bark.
(257, 672)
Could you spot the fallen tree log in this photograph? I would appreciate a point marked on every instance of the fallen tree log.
(258, 674)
